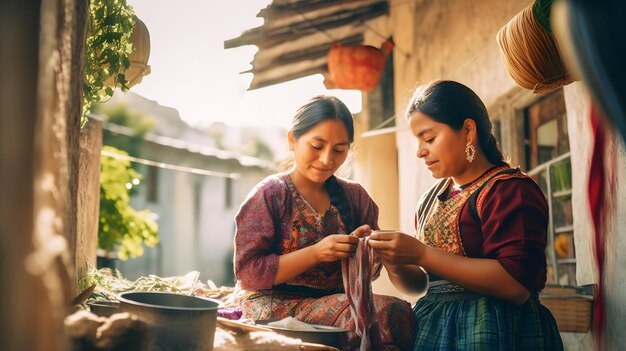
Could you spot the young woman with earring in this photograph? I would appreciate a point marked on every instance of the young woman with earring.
(292, 234)
(481, 232)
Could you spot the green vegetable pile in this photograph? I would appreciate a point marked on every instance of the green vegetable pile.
(109, 283)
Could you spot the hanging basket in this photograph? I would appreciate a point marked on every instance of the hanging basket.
(356, 67)
(140, 39)
(530, 53)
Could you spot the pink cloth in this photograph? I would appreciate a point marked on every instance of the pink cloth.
(357, 282)
(597, 206)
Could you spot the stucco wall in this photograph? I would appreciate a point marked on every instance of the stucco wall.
(579, 128)
(377, 167)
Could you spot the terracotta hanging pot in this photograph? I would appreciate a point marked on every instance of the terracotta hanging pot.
(140, 39)
(356, 67)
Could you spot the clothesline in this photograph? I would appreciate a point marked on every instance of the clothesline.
(170, 166)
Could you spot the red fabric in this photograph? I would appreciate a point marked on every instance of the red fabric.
(357, 282)
(514, 230)
(596, 192)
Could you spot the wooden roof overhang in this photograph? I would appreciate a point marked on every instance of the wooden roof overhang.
(295, 38)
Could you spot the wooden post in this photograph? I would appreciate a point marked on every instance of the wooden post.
(19, 27)
(88, 196)
(42, 53)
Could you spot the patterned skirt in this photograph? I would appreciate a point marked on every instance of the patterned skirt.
(395, 318)
(470, 321)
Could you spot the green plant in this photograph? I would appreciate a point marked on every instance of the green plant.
(107, 52)
(122, 228)
(561, 174)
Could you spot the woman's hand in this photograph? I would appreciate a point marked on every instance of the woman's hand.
(335, 247)
(362, 231)
(395, 248)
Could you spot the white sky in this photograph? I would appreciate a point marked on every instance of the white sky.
(192, 72)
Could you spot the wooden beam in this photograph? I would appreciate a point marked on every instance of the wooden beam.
(264, 37)
(309, 53)
(260, 83)
(279, 10)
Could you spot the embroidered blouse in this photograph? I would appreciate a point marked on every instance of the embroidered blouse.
(512, 229)
(275, 220)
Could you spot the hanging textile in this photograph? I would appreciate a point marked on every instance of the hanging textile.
(357, 282)
(597, 205)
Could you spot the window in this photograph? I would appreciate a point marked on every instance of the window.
(545, 124)
(548, 161)
(152, 189)
(228, 192)
(380, 100)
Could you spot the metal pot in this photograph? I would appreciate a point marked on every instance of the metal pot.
(173, 322)
(104, 308)
(323, 334)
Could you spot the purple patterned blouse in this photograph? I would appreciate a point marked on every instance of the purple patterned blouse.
(275, 220)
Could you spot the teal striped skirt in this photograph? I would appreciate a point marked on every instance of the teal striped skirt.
(470, 321)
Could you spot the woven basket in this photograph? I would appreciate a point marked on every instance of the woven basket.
(572, 312)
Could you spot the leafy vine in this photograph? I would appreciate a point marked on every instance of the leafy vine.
(108, 49)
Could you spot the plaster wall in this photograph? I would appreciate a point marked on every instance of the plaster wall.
(579, 127)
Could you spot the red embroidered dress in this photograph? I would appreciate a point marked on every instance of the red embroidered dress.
(274, 220)
(509, 225)
(442, 225)
(512, 225)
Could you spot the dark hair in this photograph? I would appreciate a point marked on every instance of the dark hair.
(452, 103)
(316, 110)
(319, 109)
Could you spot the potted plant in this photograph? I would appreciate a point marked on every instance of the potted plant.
(117, 51)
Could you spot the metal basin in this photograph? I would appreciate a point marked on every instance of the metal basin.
(326, 335)
(172, 321)
(104, 308)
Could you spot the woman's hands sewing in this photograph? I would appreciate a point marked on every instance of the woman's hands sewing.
(330, 249)
(337, 246)
(401, 254)
(396, 248)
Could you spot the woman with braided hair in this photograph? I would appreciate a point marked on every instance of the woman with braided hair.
(292, 231)
(481, 232)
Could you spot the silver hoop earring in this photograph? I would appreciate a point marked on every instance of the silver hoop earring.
(470, 152)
